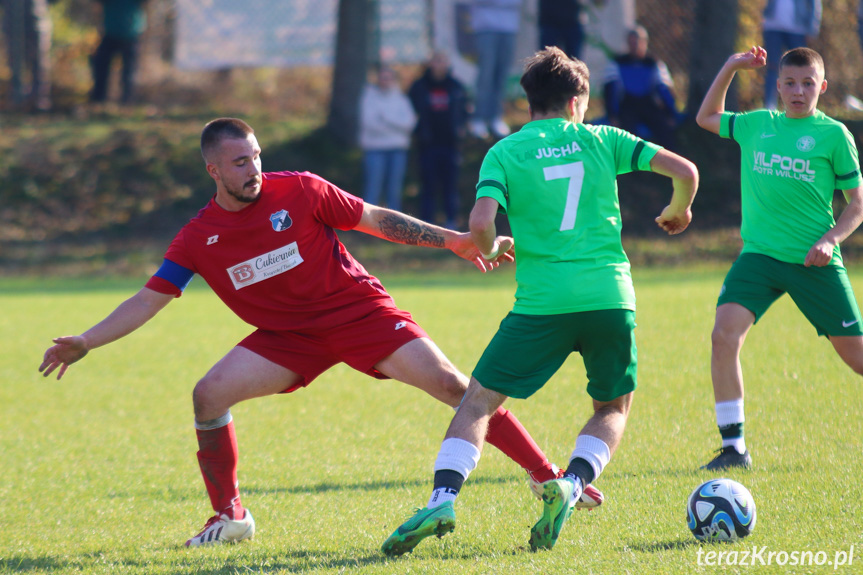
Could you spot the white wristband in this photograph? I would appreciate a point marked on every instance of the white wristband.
(493, 253)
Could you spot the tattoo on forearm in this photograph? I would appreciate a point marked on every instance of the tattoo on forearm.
(404, 231)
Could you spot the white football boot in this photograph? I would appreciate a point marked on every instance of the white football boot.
(222, 529)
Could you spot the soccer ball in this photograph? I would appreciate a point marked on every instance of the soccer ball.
(721, 510)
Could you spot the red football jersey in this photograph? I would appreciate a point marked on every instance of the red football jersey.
(278, 263)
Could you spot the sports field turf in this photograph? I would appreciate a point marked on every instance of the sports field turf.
(99, 472)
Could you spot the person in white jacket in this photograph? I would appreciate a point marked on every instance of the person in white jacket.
(387, 120)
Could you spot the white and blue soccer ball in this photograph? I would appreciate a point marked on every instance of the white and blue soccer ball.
(721, 510)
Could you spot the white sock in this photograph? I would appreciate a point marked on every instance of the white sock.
(440, 496)
(738, 443)
(731, 413)
(455, 455)
(214, 423)
(593, 450)
(458, 455)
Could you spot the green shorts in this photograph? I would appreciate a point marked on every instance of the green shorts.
(528, 349)
(823, 294)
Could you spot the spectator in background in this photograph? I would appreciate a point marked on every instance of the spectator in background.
(387, 120)
(123, 23)
(561, 25)
(27, 27)
(440, 103)
(637, 92)
(787, 24)
(495, 26)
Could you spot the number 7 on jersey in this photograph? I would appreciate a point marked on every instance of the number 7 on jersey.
(573, 172)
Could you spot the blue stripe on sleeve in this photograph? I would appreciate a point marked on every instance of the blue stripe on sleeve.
(175, 273)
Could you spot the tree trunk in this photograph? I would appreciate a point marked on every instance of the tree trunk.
(713, 41)
(357, 49)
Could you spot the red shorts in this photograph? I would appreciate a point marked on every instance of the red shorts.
(361, 344)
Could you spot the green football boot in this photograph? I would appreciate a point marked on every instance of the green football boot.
(558, 504)
(438, 521)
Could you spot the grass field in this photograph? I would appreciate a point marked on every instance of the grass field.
(99, 472)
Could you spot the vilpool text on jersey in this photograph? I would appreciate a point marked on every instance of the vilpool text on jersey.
(783, 166)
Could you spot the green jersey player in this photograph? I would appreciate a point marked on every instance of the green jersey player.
(791, 162)
(556, 180)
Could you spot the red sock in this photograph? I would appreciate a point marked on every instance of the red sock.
(218, 456)
(507, 434)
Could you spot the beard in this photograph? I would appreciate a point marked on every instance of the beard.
(248, 193)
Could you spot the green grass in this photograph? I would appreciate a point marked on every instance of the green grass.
(99, 472)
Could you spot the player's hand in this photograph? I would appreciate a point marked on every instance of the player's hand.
(504, 252)
(674, 221)
(464, 248)
(65, 351)
(820, 254)
(756, 57)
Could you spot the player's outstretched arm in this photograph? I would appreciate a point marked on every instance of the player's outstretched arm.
(710, 112)
(684, 177)
(129, 316)
(401, 228)
(821, 253)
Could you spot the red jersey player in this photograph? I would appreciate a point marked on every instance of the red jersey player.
(266, 244)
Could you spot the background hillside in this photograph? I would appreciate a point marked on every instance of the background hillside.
(85, 189)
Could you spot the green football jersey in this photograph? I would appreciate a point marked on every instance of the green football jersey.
(557, 183)
(788, 171)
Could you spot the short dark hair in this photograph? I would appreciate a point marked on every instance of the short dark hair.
(802, 57)
(639, 31)
(551, 79)
(222, 128)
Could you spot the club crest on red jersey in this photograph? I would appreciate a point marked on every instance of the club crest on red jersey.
(281, 220)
